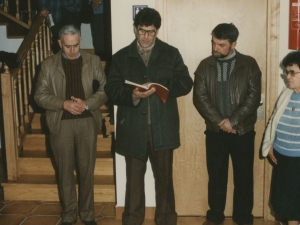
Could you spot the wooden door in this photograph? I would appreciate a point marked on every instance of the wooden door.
(187, 25)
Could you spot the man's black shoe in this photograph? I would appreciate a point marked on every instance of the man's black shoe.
(92, 222)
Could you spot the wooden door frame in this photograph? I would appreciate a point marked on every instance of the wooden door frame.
(273, 30)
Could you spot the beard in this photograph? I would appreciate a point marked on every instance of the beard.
(220, 55)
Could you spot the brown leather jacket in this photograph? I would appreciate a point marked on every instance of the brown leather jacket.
(245, 91)
(51, 88)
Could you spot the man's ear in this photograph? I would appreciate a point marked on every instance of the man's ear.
(233, 45)
(59, 42)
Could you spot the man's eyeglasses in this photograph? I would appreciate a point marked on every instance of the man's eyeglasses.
(143, 32)
(291, 72)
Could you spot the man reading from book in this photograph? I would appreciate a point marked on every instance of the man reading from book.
(146, 126)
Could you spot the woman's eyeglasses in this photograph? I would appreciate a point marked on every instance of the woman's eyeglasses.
(291, 72)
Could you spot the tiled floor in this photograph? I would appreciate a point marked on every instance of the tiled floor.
(48, 213)
(45, 213)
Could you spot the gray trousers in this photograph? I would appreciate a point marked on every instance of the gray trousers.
(161, 163)
(75, 147)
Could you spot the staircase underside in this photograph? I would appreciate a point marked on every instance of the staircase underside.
(13, 30)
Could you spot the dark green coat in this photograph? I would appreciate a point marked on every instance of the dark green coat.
(165, 67)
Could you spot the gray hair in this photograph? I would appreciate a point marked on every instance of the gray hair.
(68, 29)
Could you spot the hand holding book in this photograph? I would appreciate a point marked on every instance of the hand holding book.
(160, 90)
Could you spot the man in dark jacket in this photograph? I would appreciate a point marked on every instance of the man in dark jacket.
(227, 94)
(146, 126)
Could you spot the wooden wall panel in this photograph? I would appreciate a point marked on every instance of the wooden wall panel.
(187, 25)
(271, 87)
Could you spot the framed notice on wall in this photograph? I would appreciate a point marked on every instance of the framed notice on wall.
(136, 9)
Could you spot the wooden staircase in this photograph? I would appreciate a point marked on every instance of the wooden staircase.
(37, 180)
(30, 164)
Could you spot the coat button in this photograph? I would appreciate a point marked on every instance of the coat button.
(143, 112)
(145, 76)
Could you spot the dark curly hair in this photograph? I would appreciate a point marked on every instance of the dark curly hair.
(291, 59)
(147, 17)
(226, 31)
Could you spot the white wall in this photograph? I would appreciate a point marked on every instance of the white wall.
(8, 45)
(12, 45)
(122, 35)
(87, 41)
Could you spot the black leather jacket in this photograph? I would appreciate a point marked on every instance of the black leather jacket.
(245, 91)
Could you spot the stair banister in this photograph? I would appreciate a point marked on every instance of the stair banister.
(16, 91)
(9, 120)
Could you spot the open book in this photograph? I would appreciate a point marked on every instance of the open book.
(161, 90)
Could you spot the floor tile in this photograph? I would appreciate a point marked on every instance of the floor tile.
(48, 213)
(190, 220)
(109, 221)
(48, 209)
(108, 210)
(18, 208)
(11, 219)
(42, 220)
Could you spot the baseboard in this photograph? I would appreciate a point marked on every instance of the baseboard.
(149, 212)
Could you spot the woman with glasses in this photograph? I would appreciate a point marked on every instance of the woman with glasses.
(282, 144)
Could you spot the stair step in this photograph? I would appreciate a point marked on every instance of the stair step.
(49, 154)
(39, 142)
(51, 179)
(38, 123)
(44, 166)
(29, 189)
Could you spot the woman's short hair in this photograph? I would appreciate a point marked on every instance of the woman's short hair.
(291, 59)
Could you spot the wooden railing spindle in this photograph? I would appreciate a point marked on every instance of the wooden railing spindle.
(29, 79)
(17, 9)
(44, 38)
(36, 45)
(32, 59)
(25, 93)
(49, 36)
(41, 52)
(19, 102)
(15, 113)
(5, 6)
(29, 12)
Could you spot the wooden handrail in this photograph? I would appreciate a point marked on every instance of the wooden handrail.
(16, 18)
(7, 15)
(27, 42)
